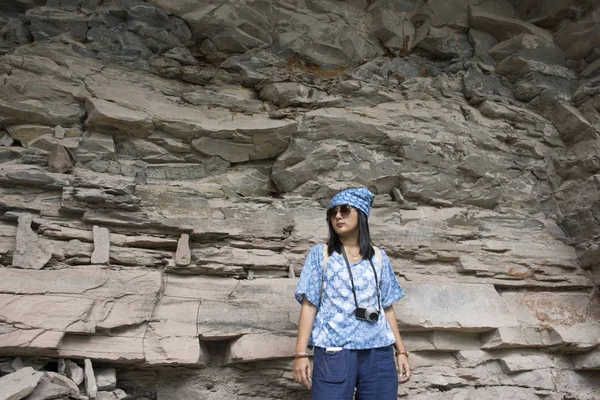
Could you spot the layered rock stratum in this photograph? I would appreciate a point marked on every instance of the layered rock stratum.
(165, 165)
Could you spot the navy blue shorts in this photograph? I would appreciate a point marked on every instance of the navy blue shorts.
(371, 372)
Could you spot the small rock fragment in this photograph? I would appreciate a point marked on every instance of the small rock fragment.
(31, 251)
(59, 132)
(90, 379)
(74, 371)
(182, 255)
(101, 254)
(59, 160)
(398, 196)
(6, 140)
(106, 379)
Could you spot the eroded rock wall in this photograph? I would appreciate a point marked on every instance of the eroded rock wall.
(164, 168)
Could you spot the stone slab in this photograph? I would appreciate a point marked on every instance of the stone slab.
(515, 337)
(120, 298)
(518, 362)
(502, 27)
(256, 347)
(587, 361)
(577, 337)
(19, 384)
(549, 307)
(172, 335)
(453, 341)
(49, 312)
(125, 348)
(469, 308)
(491, 374)
(20, 341)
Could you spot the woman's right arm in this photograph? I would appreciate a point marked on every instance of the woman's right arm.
(302, 370)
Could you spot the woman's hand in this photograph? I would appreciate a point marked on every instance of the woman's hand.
(303, 371)
(403, 368)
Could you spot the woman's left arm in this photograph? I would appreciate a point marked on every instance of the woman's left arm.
(401, 359)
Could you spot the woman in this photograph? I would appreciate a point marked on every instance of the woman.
(347, 313)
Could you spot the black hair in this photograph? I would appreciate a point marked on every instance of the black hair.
(364, 237)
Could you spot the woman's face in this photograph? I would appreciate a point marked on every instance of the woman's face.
(344, 220)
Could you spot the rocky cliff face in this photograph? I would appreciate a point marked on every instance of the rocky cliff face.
(164, 168)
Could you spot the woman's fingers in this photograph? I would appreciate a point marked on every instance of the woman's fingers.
(305, 376)
(302, 372)
(298, 375)
(404, 370)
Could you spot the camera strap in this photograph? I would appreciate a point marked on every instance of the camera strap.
(352, 279)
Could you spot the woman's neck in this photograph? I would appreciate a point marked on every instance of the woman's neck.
(349, 241)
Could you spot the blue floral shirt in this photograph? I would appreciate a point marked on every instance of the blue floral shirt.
(335, 324)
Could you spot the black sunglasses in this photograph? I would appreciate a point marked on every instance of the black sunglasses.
(344, 211)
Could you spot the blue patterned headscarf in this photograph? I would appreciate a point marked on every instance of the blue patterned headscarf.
(360, 198)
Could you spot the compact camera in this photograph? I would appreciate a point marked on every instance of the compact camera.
(370, 314)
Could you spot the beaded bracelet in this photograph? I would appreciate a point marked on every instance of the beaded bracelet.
(405, 352)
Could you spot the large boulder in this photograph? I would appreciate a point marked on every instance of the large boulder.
(529, 47)
(453, 13)
(578, 39)
(395, 29)
(572, 125)
(442, 43)
(502, 27)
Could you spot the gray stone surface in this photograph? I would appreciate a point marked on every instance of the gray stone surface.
(502, 27)
(118, 303)
(514, 363)
(587, 361)
(572, 125)
(528, 46)
(576, 337)
(580, 37)
(244, 349)
(479, 87)
(229, 125)
(393, 26)
(461, 304)
(515, 337)
(482, 42)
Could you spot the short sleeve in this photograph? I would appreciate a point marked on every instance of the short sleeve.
(310, 277)
(391, 291)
